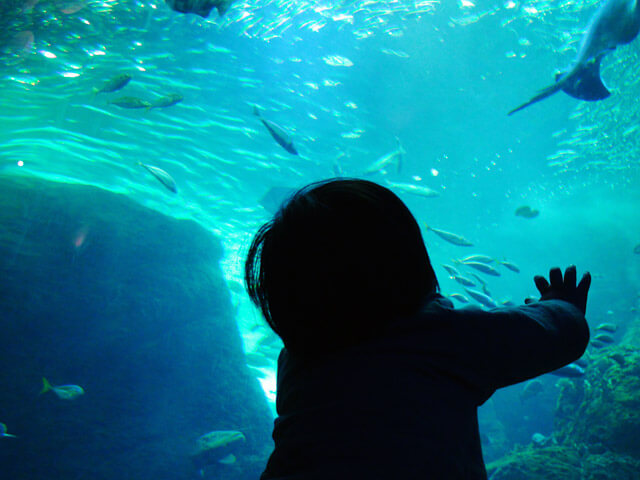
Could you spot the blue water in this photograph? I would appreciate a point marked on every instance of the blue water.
(345, 79)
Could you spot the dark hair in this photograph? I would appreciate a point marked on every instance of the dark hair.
(339, 261)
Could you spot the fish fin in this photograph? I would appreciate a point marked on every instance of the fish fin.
(46, 386)
(544, 93)
(586, 84)
(256, 112)
(427, 227)
(94, 91)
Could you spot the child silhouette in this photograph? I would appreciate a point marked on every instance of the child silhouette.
(381, 377)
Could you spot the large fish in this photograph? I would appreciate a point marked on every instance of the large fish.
(616, 22)
(200, 7)
(277, 132)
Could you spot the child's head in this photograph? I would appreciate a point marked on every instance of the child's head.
(339, 261)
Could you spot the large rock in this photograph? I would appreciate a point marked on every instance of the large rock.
(131, 305)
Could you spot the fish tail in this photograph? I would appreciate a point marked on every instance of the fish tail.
(427, 227)
(46, 386)
(544, 93)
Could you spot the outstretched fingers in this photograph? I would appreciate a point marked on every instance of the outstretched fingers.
(570, 277)
(555, 277)
(585, 283)
(541, 283)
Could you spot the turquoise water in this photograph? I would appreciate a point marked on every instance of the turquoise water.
(345, 79)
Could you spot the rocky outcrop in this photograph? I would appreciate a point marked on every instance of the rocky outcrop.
(131, 305)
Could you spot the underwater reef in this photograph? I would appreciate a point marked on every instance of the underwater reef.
(597, 426)
(126, 313)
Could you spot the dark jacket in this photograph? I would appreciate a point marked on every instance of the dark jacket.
(404, 405)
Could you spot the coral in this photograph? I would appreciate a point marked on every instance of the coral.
(597, 426)
(608, 412)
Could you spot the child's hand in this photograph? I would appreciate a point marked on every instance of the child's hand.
(566, 289)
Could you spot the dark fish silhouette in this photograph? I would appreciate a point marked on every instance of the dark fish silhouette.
(166, 101)
(527, 212)
(130, 102)
(278, 133)
(113, 84)
(200, 7)
(617, 22)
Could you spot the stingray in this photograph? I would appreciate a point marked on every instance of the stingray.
(616, 22)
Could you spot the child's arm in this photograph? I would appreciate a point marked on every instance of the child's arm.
(506, 346)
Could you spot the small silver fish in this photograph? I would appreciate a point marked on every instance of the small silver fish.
(459, 297)
(478, 258)
(113, 84)
(483, 284)
(419, 190)
(509, 265)
(65, 392)
(607, 327)
(278, 133)
(130, 102)
(481, 298)
(463, 281)
(163, 177)
(604, 338)
(393, 157)
(450, 270)
(450, 237)
(483, 267)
